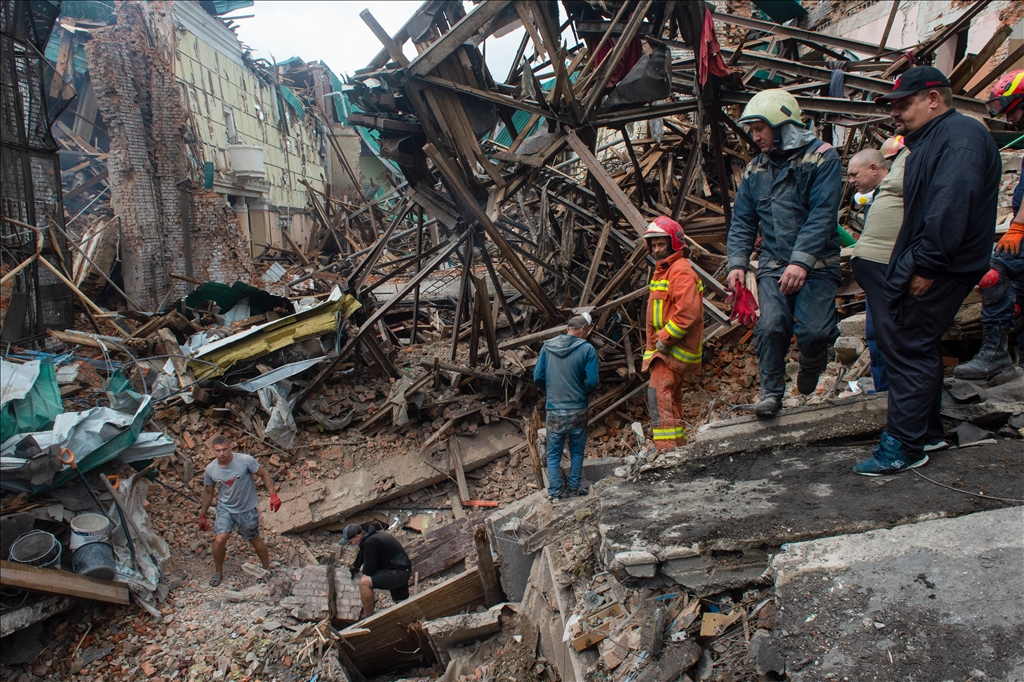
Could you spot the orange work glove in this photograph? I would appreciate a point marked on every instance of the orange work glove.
(1010, 243)
(202, 522)
(275, 502)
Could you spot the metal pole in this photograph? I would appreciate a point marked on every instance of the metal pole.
(416, 292)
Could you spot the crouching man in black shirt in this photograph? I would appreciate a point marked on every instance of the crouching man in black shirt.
(384, 564)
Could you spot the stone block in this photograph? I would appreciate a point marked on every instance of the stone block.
(853, 325)
(638, 563)
(849, 348)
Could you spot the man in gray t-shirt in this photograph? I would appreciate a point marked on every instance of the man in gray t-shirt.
(230, 476)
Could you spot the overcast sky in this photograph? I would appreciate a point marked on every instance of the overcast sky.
(334, 33)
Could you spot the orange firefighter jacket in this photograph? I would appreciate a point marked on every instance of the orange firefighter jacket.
(675, 315)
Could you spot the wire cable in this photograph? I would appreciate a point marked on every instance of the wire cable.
(966, 492)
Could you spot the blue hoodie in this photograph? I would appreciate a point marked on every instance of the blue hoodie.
(567, 370)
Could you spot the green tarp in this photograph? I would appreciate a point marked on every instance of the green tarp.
(37, 410)
(227, 297)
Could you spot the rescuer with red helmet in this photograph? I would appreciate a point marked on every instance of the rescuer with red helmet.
(675, 327)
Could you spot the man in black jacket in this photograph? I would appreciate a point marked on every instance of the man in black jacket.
(950, 194)
(384, 563)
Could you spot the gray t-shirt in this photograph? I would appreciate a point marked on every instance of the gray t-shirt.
(236, 491)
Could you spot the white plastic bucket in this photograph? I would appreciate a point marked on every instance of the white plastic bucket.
(86, 528)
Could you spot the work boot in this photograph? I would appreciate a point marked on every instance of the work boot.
(807, 382)
(768, 406)
(992, 358)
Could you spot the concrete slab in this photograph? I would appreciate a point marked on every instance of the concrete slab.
(984, 403)
(509, 527)
(849, 417)
(712, 524)
(937, 600)
(334, 499)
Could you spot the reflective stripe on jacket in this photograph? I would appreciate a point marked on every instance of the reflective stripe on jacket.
(675, 315)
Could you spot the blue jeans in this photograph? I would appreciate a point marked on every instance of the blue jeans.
(1001, 312)
(809, 313)
(871, 278)
(561, 426)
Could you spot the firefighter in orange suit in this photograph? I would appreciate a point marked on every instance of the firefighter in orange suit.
(675, 326)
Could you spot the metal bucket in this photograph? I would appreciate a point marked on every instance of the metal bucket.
(86, 528)
(36, 548)
(94, 559)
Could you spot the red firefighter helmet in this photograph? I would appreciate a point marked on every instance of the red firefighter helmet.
(663, 226)
(1007, 93)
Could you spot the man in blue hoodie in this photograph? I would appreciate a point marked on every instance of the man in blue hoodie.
(567, 371)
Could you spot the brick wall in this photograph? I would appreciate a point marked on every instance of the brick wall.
(140, 102)
(220, 247)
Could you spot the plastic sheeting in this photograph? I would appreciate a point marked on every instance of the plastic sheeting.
(95, 436)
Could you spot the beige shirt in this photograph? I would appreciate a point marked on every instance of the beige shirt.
(885, 215)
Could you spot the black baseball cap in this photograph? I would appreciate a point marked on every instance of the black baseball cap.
(914, 80)
(351, 530)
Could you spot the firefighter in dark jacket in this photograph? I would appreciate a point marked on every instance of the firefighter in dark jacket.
(950, 197)
(383, 561)
(790, 193)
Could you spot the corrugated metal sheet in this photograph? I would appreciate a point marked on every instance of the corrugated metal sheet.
(228, 6)
(293, 101)
(521, 118)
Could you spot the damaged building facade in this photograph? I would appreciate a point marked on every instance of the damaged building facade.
(206, 157)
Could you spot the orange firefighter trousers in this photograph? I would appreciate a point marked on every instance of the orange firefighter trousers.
(665, 403)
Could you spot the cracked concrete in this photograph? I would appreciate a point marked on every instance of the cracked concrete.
(713, 526)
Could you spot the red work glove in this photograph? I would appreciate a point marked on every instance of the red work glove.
(1010, 243)
(744, 307)
(275, 502)
(202, 522)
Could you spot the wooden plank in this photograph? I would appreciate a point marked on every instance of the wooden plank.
(86, 185)
(459, 187)
(485, 565)
(456, 464)
(611, 188)
(454, 38)
(51, 581)
(611, 61)
(393, 643)
(484, 313)
(384, 37)
(595, 264)
(487, 95)
(996, 72)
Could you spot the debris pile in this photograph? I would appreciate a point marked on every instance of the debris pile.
(377, 353)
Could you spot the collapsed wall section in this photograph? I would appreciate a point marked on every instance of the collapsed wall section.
(165, 225)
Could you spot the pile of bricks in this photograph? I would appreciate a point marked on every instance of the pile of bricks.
(309, 595)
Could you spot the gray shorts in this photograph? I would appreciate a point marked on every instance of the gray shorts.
(246, 523)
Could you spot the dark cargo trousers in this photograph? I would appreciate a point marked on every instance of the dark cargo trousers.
(911, 351)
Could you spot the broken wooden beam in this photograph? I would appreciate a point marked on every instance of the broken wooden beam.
(336, 498)
(51, 581)
(393, 643)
